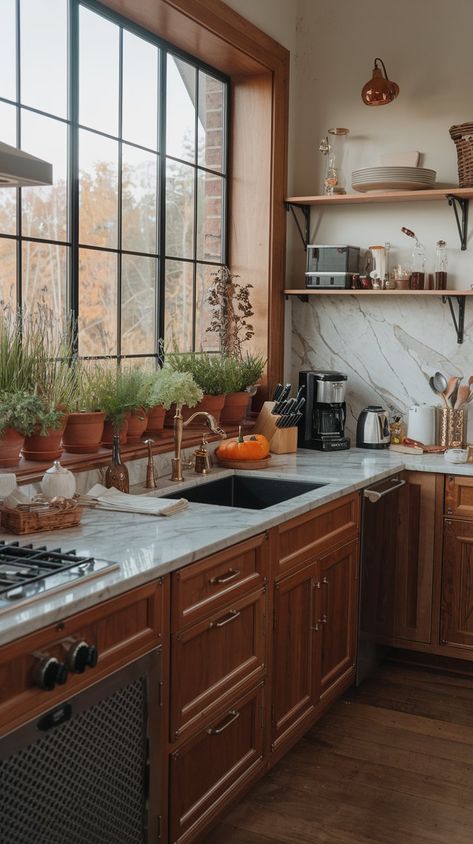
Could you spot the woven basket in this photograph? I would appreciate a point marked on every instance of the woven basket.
(462, 135)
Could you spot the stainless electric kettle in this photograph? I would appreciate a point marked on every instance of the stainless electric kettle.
(372, 430)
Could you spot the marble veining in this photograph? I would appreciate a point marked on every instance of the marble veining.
(388, 348)
(148, 547)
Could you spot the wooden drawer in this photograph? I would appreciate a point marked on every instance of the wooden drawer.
(314, 533)
(212, 658)
(206, 772)
(121, 629)
(459, 496)
(199, 589)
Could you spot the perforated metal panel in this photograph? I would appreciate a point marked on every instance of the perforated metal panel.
(82, 782)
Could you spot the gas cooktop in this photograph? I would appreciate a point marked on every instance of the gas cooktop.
(28, 573)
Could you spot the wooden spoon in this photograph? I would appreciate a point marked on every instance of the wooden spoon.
(452, 383)
(462, 396)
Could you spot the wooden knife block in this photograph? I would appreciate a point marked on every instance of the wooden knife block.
(281, 440)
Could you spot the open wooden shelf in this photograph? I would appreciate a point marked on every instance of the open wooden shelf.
(387, 196)
(310, 291)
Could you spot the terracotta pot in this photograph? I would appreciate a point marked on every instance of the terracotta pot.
(210, 404)
(235, 408)
(109, 430)
(155, 419)
(11, 443)
(83, 432)
(47, 446)
(136, 425)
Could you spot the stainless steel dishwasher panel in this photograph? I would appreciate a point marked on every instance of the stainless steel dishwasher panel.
(380, 519)
(79, 773)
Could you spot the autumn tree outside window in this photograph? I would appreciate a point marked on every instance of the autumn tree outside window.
(134, 224)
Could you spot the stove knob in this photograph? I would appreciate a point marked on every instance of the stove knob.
(49, 671)
(82, 656)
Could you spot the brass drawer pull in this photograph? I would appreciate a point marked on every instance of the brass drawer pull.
(229, 719)
(232, 615)
(225, 578)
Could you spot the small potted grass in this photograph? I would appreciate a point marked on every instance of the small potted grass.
(84, 427)
(243, 375)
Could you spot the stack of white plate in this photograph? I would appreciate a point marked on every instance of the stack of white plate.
(392, 178)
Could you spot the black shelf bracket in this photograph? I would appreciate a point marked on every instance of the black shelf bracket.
(459, 322)
(460, 206)
(304, 232)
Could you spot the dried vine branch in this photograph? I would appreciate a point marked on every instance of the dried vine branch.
(231, 310)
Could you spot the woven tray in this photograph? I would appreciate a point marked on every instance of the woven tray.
(24, 521)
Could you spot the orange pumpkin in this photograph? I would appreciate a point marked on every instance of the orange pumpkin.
(254, 447)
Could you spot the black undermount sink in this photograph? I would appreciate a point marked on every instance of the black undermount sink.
(243, 491)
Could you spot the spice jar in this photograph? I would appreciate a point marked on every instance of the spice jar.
(441, 262)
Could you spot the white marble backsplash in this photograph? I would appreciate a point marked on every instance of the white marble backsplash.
(388, 348)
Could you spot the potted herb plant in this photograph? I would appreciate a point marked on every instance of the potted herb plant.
(47, 348)
(115, 400)
(210, 373)
(243, 373)
(84, 427)
(138, 385)
(19, 413)
(169, 387)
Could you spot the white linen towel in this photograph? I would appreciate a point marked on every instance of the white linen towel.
(113, 499)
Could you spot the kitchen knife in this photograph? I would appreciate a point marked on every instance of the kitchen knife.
(285, 393)
(300, 404)
(277, 392)
(280, 407)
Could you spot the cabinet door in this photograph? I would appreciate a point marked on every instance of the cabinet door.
(208, 770)
(338, 577)
(295, 671)
(459, 496)
(456, 624)
(415, 557)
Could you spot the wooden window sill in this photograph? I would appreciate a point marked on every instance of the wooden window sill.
(28, 471)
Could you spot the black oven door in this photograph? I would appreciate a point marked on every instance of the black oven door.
(79, 774)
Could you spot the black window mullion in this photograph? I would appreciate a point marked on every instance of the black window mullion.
(19, 249)
(120, 188)
(73, 166)
(196, 205)
(161, 199)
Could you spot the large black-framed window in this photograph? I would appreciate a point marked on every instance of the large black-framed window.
(135, 223)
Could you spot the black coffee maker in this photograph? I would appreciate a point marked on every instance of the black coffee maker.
(323, 424)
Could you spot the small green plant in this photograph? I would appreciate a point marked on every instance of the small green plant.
(20, 411)
(209, 371)
(116, 391)
(172, 387)
(244, 372)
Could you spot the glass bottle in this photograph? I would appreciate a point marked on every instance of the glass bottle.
(417, 267)
(441, 262)
(117, 473)
(332, 146)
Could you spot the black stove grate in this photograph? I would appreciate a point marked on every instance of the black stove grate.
(25, 565)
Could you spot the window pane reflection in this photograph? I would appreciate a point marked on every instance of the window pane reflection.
(97, 302)
(211, 123)
(44, 267)
(98, 181)
(179, 210)
(138, 304)
(8, 50)
(98, 72)
(43, 29)
(179, 312)
(180, 117)
(140, 91)
(208, 341)
(139, 199)
(44, 209)
(209, 216)
(8, 272)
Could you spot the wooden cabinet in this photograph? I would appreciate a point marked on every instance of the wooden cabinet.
(215, 765)
(296, 674)
(415, 549)
(456, 625)
(337, 579)
(459, 496)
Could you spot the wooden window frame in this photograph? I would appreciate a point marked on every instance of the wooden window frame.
(258, 68)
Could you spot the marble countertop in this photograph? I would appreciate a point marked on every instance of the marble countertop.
(147, 547)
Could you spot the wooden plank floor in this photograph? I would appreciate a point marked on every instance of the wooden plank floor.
(391, 763)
